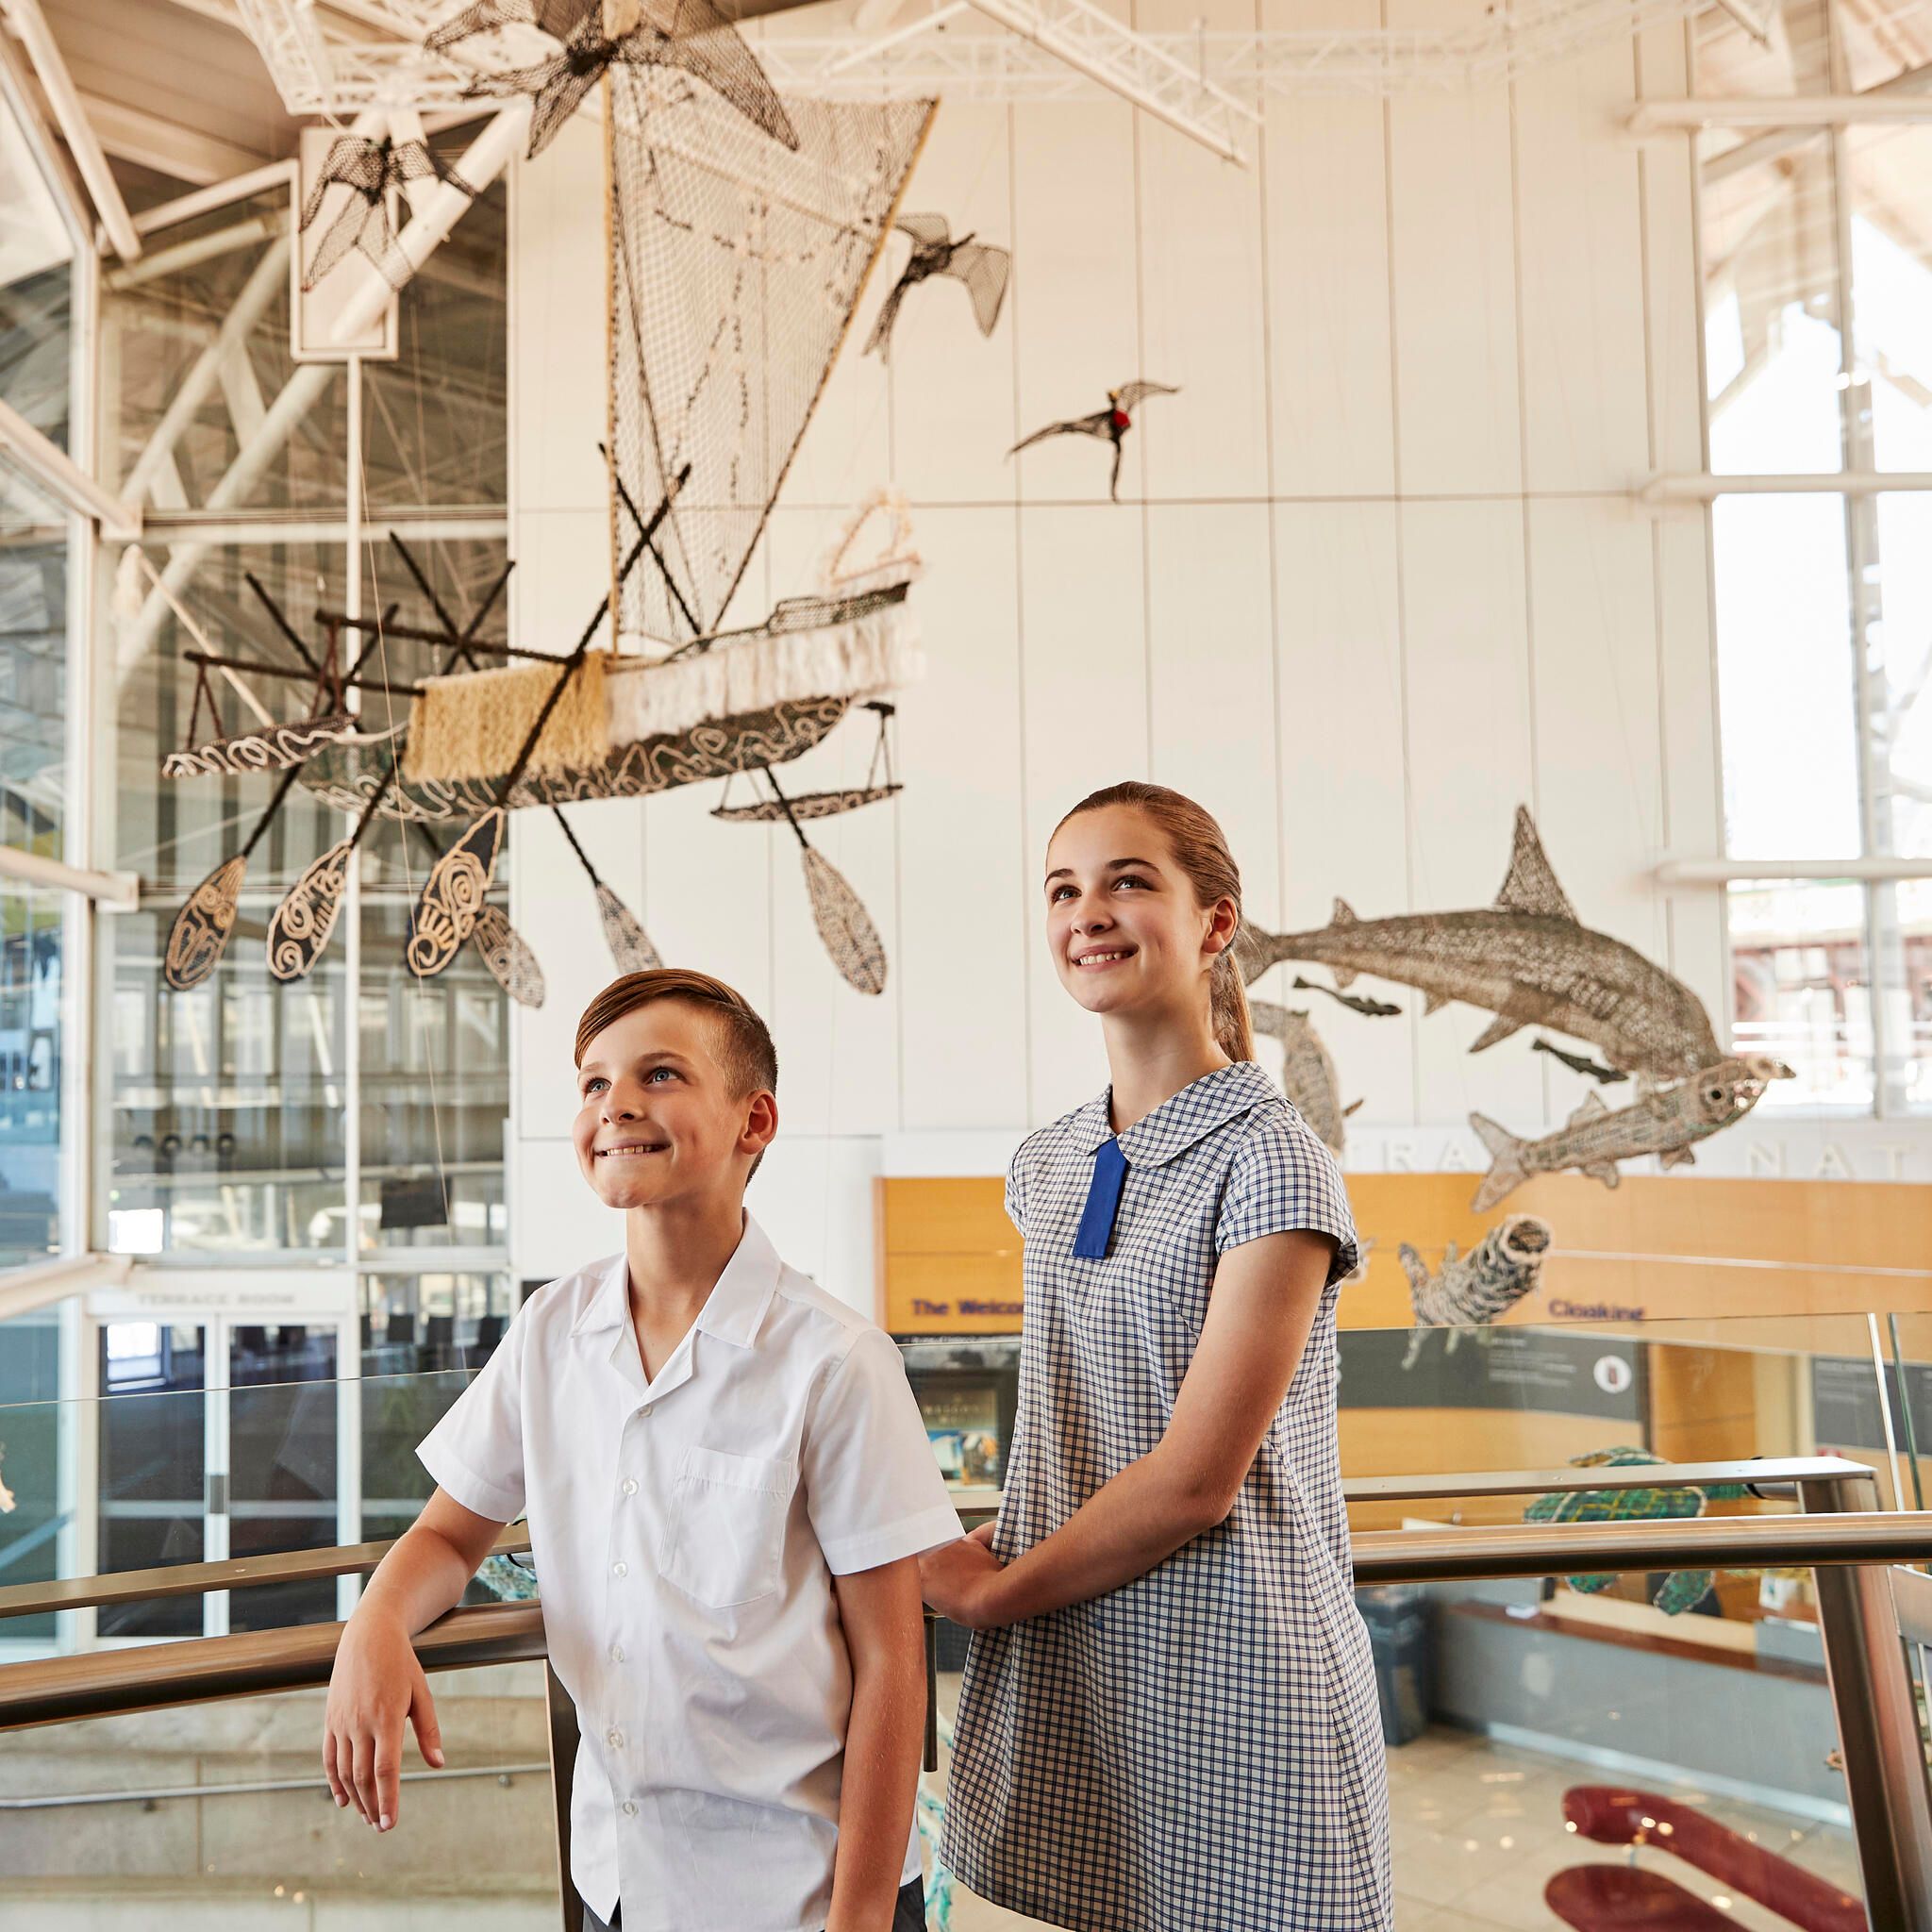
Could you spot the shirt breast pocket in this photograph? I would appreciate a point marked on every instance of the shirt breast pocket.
(724, 1543)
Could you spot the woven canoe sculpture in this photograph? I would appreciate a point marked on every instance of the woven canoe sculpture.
(345, 774)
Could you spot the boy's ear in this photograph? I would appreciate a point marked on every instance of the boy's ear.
(762, 1123)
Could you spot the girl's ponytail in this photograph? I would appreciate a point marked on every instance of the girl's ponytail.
(1233, 1030)
(1201, 850)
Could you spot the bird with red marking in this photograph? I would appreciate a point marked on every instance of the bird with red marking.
(1111, 423)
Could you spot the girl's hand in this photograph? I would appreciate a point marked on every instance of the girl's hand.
(961, 1580)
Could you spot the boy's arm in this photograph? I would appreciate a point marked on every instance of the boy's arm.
(378, 1682)
(885, 1635)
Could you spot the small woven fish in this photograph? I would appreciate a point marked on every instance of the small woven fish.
(510, 961)
(845, 925)
(631, 950)
(303, 921)
(299, 931)
(201, 928)
(453, 895)
(199, 934)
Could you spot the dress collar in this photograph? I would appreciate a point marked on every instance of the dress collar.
(733, 1311)
(1180, 1119)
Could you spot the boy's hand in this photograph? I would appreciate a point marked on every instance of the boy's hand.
(376, 1684)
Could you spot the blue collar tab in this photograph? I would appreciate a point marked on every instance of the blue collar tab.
(1103, 1202)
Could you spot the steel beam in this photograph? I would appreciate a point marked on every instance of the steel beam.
(1773, 110)
(32, 869)
(31, 24)
(482, 161)
(55, 472)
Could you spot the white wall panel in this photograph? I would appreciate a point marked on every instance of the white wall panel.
(1344, 820)
(1202, 296)
(1693, 792)
(1363, 691)
(838, 1048)
(1211, 679)
(1077, 332)
(1470, 766)
(968, 925)
(557, 344)
(1667, 171)
(1321, 164)
(1582, 276)
(1453, 252)
(1599, 755)
(1083, 658)
(953, 418)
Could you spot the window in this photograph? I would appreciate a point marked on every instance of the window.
(1817, 246)
(356, 1111)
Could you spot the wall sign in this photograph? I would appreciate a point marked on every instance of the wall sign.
(1520, 1369)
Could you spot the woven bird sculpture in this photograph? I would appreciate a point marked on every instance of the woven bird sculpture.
(595, 36)
(981, 267)
(1111, 424)
(369, 171)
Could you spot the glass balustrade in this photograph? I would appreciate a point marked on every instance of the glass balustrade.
(216, 1816)
(1556, 1746)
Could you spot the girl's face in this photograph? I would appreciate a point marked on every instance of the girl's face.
(1121, 922)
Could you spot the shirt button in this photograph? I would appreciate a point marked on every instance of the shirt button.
(645, 1410)
(617, 1653)
(630, 1810)
(615, 1738)
(630, 1485)
(620, 1569)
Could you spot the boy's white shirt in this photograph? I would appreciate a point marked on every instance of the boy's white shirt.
(685, 1535)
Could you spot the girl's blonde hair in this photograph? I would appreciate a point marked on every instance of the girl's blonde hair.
(1201, 850)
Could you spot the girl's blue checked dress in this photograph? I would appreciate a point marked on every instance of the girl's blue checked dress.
(1199, 1751)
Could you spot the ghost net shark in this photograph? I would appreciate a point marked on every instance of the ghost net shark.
(1530, 961)
(1527, 960)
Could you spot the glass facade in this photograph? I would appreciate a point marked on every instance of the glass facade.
(234, 1124)
(1817, 296)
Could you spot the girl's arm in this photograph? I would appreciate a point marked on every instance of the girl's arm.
(885, 1637)
(1265, 1302)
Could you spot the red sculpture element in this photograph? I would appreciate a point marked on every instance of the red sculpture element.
(1618, 1898)
(1622, 1898)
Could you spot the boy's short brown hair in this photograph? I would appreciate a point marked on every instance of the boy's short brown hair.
(749, 1060)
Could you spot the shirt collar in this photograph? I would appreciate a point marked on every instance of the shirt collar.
(1180, 1119)
(733, 1311)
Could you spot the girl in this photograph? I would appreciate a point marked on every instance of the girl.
(1168, 1721)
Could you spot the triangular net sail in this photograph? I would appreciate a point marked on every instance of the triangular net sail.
(736, 265)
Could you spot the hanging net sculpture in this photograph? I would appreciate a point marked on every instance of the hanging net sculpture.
(736, 266)
(591, 38)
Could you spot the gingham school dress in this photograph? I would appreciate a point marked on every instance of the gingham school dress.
(1199, 1751)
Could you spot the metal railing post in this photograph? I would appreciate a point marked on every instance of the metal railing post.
(563, 1764)
(1877, 1717)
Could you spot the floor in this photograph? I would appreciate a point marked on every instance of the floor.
(1478, 1831)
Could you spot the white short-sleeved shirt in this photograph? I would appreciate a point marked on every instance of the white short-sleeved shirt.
(685, 1533)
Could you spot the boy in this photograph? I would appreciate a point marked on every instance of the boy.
(727, 1484)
